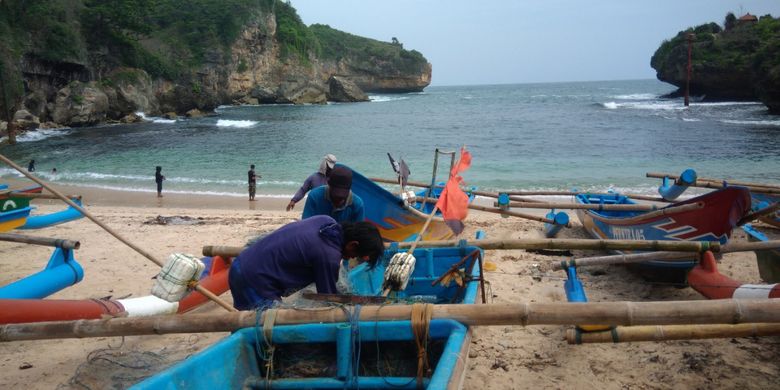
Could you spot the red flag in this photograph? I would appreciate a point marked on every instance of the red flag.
(453, 202)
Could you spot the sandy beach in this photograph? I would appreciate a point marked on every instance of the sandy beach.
(501, 357)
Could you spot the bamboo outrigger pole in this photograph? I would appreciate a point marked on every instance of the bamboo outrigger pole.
(641, 257)
(516, 195)
(497, 210)
(45, 241)
(490, 244)
(110, 231)
(722, 311)
(626, 334)
(716, 183)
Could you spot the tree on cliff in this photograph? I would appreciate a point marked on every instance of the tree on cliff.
(730, 22)
(10, 92)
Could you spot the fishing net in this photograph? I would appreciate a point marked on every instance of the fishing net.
(122, 366)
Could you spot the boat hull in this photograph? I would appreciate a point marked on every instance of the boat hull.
(395, 220)
(238, 363)
(713, 221)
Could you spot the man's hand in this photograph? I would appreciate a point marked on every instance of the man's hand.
(290, 205)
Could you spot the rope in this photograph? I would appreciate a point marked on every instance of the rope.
(266, 350)
(421, 321)
(354, 320)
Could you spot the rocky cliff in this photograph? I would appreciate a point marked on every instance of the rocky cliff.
(741, 62)
(271, 58)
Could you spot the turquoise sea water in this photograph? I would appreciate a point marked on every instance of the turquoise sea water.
(589, 135)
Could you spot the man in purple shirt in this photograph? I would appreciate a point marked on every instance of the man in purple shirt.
(316, 179)
(298, 254)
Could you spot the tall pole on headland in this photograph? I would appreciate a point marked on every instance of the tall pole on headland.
(688, 74)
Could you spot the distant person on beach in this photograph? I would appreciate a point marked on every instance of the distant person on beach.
(158, 177)
(31, 166)
(315, 180)
(297, 255)
(54, 171)
(252, 179)
(336, 198)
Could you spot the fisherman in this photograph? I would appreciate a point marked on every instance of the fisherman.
(158, 178)
(297, 255)
(252, 180)
(315, 180)
(31, 166)
(335, 199)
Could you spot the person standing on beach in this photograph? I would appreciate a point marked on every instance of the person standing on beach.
(158, 177)
(299, 254)
(336, 198)
(316, 179)
(252, 179)
(31, 166)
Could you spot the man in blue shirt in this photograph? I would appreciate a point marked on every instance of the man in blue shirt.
(336, 198)
(298, 254)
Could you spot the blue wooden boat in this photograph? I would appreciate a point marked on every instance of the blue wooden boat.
(396, 220)
(717, 215)
(12, 215)
(335, 361)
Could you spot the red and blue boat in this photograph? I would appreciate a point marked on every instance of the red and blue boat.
(709, 217)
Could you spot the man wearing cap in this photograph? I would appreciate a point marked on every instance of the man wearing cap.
(336, 198)
(316, 179)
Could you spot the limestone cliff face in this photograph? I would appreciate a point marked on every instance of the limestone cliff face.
(253, 71)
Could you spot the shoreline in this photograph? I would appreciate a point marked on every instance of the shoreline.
(92, 196)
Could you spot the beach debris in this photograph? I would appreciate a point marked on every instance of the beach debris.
(25, 366)
(175, 220)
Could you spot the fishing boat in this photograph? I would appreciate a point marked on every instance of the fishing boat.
(355, 354)
(393, 216)
(709, 217)
(14, 213)
(15, 199)
(768, 260)
(18, 309)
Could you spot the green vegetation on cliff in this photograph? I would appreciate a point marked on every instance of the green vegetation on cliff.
(739, 61)
(365, 52)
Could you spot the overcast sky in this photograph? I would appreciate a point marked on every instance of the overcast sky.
(524, 41)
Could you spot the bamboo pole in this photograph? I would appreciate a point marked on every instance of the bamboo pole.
(497, 211)
(620, 259)
(581, 206)
(15, 194)
(626, 334)
(714, 183)
(721, 311)
(515, 214)
(641, 257)
(110, 231)
(658, 175)
(516, 195)
(45, 241)
(554, 243)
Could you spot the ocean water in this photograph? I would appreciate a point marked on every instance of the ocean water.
(552, 136)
